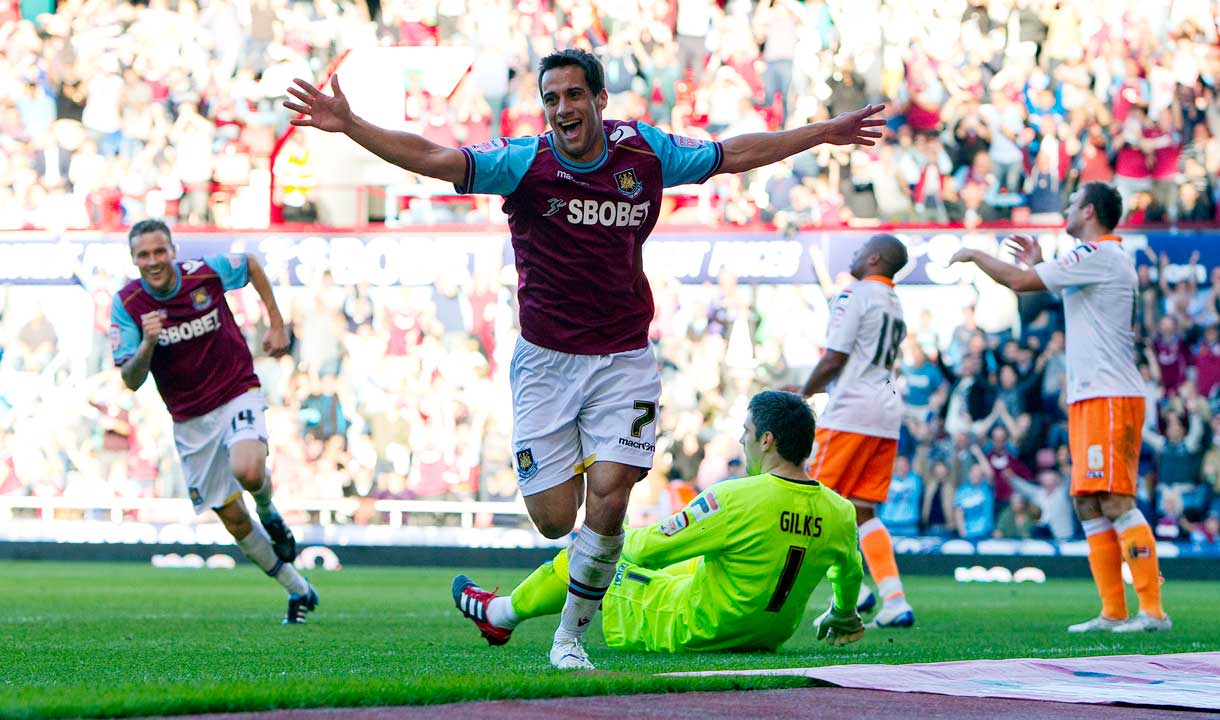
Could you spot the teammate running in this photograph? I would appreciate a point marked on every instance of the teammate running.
(187, 337)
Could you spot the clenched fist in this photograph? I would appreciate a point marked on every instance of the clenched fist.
(152, 323)
(276, 341)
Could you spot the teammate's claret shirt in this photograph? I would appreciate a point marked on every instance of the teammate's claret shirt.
(578, 230)
(201, 361)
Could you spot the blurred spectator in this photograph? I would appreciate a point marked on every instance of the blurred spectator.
(178, 108)
(1016, 520)
(1043, 191)
(1179, 460)
(1207, 361)
(1205, 310)
(1014, 391)
(920, 380)
(1052, 365)
(117, 440)
(1057, 104)
(320, 327)
(777, 25)
(322, 412)
(1056, 517)
(1192, 205)
(37, 343)
(901, 510)
(295, 181)
(1001, 457)
(1173, 354)
(937, 511)
(974, 506)
(694, 23)
(192, 136)
(1210, 464)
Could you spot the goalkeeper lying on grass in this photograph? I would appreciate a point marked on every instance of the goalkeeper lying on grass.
(733, 570)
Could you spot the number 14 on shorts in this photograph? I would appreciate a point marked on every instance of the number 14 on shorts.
(245, 418)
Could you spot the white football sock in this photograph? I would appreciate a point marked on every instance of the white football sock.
(591, 562)
(500, 613)
(262, 498)
(257, 547)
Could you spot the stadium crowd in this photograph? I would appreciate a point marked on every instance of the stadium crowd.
(113, 111)
(401, 393)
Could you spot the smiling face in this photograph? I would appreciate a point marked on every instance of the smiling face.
(154, 253)
(574, 113)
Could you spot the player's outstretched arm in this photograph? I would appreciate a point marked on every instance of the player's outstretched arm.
(746, 152)
(1010, 276)
(275, 343)
(408, 151)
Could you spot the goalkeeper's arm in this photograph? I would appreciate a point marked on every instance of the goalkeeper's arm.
(846, 576)
(841, 624)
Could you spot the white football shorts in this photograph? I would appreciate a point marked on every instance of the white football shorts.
(570, 411)
(203, 445)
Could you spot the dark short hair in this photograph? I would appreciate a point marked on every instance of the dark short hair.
(893, 252)
(148, 226)
(788, 417)
(1107, 203)
(594, 77)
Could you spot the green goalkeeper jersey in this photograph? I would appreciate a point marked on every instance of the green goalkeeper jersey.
(762, 545)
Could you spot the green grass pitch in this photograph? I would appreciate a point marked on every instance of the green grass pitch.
(122, 640)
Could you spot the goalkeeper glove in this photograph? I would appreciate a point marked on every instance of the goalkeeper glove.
(839, 628)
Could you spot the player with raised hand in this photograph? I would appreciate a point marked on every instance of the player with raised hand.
(187, 338)
(857, 438)
(581, 200)
(733, 570)
(1105, 394)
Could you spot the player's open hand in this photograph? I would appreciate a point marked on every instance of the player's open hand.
(854, 128)
(331, 113)
(1024, 248)
(152, 323)
(275, 343)
(839, 629)
(964, 255)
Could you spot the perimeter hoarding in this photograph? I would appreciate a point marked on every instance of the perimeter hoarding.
(420, 257)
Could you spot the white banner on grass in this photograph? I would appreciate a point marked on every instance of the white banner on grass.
(1184, 680)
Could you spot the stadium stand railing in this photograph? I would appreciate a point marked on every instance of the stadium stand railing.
(164, 510)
